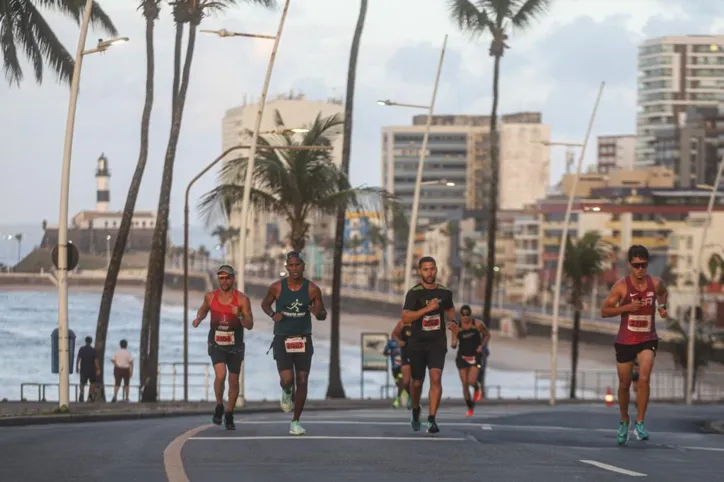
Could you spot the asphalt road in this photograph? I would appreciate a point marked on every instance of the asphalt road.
(499, 443)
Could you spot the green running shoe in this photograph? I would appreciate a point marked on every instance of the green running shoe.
(622, 435)
(295, 428)
(640, 431)
(286, 401)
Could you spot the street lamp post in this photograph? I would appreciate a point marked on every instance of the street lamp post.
(63, 361)
(186, 238)
(562, 253)
(696, 299)
(420, 165)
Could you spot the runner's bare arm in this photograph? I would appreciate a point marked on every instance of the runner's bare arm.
(204, 310)
(248, 317)
(484, 332)
(617, 294)
(317, 308)
(271, 295)
(662, 294)
(408, 314)
(397, 331)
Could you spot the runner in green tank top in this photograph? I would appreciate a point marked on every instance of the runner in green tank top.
(297, 299)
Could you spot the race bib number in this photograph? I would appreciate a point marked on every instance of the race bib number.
(224, 338)
(469, 359)
(295, 345)
(639, 323)
(398, 360)
(431, 323)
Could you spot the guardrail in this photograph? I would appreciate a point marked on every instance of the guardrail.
(665, 385)
(200, 382)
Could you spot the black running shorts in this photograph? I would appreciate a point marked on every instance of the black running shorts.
(231, 358)
(426, 356)
(627, 353)
(289, 355)
(464, 362)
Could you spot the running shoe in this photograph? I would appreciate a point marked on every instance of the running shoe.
(432, 426)
(622, 435)
(229, 421)
(396, 403)
(295, 428)
(286, 401)
(415, 421)
(469, 413)
(478, 394)
(218, 414)
(640, 431)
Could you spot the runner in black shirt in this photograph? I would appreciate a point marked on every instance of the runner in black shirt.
(428, 305)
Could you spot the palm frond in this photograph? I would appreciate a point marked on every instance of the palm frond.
(528, 11)
(218, 203)
(471, 17)
(74, 10)
(54, 53)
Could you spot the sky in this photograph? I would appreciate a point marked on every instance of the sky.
(554, 67)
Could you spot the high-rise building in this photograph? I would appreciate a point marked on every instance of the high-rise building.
(675, 73)
(616, 152)
(297, 112)
(458, 152)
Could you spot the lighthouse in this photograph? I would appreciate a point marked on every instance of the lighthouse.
(103, 181)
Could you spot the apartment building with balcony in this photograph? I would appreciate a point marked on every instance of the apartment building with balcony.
(616, 152)
(675, 73)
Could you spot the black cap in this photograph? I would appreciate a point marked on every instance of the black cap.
(295, 254)
(225, 268)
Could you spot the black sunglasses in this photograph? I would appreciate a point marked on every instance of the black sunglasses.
(639, 265)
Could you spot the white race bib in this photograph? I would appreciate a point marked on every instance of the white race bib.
(224, 338)
(431, 322)
(639, 323)
(470, 359)
(295, 345)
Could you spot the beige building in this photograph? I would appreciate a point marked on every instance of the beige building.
(297, 112)
(653, 176)
(616, 152)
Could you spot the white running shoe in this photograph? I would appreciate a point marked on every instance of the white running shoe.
(295, 428)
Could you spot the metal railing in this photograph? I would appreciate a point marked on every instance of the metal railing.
(665, 385)
(200, 381)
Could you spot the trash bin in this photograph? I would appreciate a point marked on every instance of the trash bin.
(54, 360)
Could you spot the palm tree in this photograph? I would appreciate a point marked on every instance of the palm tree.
(495, 16)
(151, 10)
(22, 26)
(191, 13)
(582, 264)
(335, 388)
(294, 184)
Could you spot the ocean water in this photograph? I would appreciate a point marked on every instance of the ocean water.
(27, 319)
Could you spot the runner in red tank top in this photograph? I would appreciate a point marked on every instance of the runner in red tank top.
(634, 299)
(230, 314)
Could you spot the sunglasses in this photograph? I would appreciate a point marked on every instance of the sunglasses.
(639, 265)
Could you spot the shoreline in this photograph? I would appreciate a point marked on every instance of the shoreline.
(507, 354)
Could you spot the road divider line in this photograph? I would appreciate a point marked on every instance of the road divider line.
(613, 468)
(172, 461)
(331, 437)
(709, 449)
(486, 427)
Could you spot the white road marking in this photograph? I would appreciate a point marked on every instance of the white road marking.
(172, 455)
(332, 437)
(710, 449)
(613, 468)
(486, 427)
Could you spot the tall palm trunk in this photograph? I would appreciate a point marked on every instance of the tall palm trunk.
(574, 350)
(150, 11)
(157, 261)
(493, 202)
(335, 388)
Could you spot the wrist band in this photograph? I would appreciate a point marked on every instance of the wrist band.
(271, 315)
